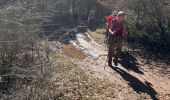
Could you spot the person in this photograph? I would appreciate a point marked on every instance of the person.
(108, 21)
(91, 19)
(116, 36)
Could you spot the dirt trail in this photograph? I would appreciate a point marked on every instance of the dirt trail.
(130, 72)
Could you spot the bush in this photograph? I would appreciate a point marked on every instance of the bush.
(148, 25)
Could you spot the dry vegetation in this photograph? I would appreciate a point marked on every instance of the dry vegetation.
(70, 82)
(31, 68)
(24, 63)
(98, 35)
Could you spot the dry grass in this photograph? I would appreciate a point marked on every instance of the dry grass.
(63, 80)
(72, 83)
(76, 85)
(98, 35)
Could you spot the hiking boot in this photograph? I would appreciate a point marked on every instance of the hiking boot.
(115, 62)
(110, 63)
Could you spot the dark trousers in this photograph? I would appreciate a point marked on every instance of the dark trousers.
(115, 44)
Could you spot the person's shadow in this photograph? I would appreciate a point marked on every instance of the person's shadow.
(129, 62)
(136, 84)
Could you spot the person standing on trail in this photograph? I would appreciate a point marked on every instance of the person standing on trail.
(108, 22)
(116, 36)
(91, 19)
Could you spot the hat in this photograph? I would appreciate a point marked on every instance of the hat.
(115, 13)
(121, 13)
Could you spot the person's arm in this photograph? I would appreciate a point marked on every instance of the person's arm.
(111, 32)
(110, 29)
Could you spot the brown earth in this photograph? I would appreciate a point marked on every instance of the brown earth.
(133, 71)
(73, 52)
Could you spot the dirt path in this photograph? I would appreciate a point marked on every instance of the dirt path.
(130, 72)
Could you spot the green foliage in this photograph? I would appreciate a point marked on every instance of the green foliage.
(148, 23)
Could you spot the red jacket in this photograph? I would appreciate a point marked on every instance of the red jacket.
(109, 20)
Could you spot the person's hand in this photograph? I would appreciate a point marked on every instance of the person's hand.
(113, 33)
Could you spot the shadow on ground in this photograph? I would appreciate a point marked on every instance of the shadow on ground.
(129, 62)
(150, 53)
(136, 84)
